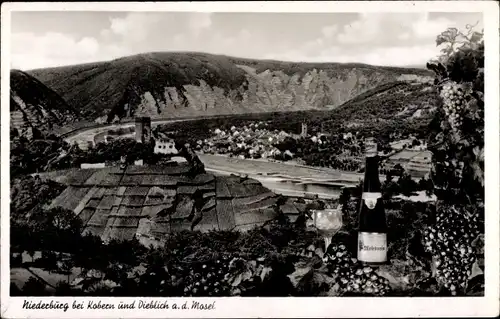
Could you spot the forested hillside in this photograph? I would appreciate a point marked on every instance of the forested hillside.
(163, 85)
(35, 106)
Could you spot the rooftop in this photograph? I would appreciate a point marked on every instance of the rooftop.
(152, 201)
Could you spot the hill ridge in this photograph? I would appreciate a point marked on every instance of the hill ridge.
(34, 106)
(179, 84)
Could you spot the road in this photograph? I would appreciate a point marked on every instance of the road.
(89, 133)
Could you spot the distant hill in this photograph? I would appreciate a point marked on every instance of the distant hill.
(34, 106)
(390, 101)
(387, 108)
(174, 84)
(416, 66)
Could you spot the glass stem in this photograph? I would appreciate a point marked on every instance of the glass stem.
(328, 241)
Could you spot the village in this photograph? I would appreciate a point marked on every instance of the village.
(258, 141)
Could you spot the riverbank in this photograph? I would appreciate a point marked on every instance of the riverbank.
(287, 179)
(283, 170)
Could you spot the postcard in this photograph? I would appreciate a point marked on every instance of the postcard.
(250, 159)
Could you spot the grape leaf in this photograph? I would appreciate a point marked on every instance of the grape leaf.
(478, 244)
(237, 280)
(475, 286)
(475, 270)
(252, 264)
(440, 40)
(265, 273)
(247, 275)
(301, 269)
(397, 273)
(476, 37)
(447, 50)
(319, 252)
(449, 35)
(478, 172)
(334, 291)
(427, 287)
(312, 281)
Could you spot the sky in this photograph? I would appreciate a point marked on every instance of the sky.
(56, 38)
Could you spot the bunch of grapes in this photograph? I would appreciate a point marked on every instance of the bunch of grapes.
(449, 241)
(352, 277)
(453, 96)
(207, 278)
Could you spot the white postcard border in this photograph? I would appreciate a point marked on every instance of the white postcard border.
(11, 307)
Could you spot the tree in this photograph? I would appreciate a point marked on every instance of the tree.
(34, 287)
(60, 228)
(389, 187)
(398, 170)
(66, 266)
(49, 260)
(407, 184)
(64, 289)
(28, 193)
(90, 253)
(115, 248)
(65, 222)
(425, 184)
(150, 283)
(31, 242)
(344, 198)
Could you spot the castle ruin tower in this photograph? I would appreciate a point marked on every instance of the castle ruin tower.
(303, 132)
(143, 129)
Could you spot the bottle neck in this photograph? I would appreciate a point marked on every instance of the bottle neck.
(372, 181)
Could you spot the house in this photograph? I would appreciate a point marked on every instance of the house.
(85, 144)
(165, 145)
(92, 165)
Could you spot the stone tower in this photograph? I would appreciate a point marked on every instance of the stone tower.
(304, 129)
(143, 129)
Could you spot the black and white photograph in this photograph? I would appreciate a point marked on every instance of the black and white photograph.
(158, 154)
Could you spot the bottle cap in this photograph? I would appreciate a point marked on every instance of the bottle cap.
(370, 147)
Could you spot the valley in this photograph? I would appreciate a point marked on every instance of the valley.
(194, 163)
(335, 99)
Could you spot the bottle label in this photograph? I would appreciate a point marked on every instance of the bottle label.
(370, 199)
(370, 147)
(372, 247)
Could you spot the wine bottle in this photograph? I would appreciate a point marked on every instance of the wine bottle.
(372, 230)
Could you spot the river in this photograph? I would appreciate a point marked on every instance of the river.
(291, 187)
(282, 178)
(294, 188)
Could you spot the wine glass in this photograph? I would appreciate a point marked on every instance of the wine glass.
(328, 222)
